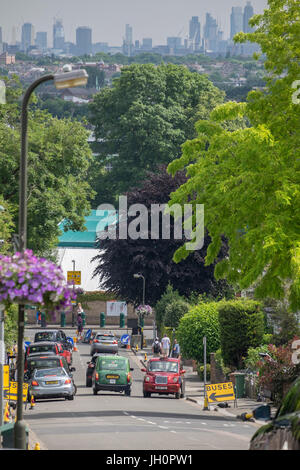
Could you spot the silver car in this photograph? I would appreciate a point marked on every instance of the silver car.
(104, 343)
(52, 383)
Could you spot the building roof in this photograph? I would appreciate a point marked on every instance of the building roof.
(94, 222)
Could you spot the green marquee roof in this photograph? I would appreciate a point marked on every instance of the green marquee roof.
(95, 221)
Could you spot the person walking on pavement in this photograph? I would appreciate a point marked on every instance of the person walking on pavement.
(165, 345)
(176, 349)
(79, 326)
(156, 348)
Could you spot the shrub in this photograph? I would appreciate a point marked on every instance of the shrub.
(241, 327)
(200, 321)
(175, 311)
(200, 371)
(169, 296)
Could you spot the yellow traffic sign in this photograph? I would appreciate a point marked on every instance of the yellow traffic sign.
(11, 393)
(74, 276)
(5, 376)
(220, 392)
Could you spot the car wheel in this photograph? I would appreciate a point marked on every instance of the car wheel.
(71, 397)
(177, 395)
(88, 383)
(128, 392)
(95, 391)
(182, 393)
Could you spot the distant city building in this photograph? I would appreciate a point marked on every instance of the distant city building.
(58, 35)
(236, 21)
(1, 34)
(27, 39)
(127, 42)
(100, 47)
(84, 40)
(7, 59)
(210, 34)
(195, 33)
(248, 13)
(147, 44)
(41, 40)
(174, 44)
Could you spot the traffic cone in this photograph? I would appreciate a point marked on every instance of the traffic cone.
(32, 402)
(75, 347)
(145, 356)
(136, 348)
(128, 346)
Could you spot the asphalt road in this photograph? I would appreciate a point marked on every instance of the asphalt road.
(112, 421)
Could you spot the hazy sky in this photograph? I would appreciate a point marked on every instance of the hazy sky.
(107, 18)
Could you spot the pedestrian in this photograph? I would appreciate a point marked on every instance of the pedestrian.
(156, 348)
(79, 326)
(176, 349)
(165, 345)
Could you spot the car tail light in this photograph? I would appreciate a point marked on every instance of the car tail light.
(34, 383)
(96, 341)
(97, 376)
(115, 342)
(68, 381)
(128, 378)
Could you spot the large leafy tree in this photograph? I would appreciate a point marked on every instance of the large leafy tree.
(142, 120)
(58, 161)
(249, 179)
(120, 258)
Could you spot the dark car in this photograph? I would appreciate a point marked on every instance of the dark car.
(164, 376)
(57, 336)
(90, 368)
(38, 361)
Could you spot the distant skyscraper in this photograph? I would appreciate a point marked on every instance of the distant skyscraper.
(127, 42)
(236, 21)
(27, 36)
(248, 13)
(195, 33)
(210, 33)
(84, 40)
(147, 44)
(41, 40)
(58, 34)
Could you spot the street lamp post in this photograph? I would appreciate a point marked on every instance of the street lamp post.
(140, 276)
(61, 80)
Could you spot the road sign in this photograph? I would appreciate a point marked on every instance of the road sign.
(74, 276)
(125, 339)
(220, 392)
(5, 376)
(11, 393)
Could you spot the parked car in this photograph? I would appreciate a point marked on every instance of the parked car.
(164, 376)
(37, 361)
(112, 373)
(104, 342)
(90, 368)
(48, 348)
(55, 335)
(52, 383)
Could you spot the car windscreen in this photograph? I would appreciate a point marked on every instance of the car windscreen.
(44, 336)
(41, 348)
(105, 338)
(163, 366)
(112, 364)
(43, 363)
(58, 371)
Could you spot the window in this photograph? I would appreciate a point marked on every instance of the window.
(163, 366)
(112, 364)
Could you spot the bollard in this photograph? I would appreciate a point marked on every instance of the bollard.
(205, 408)
(136, 348)
(32, 402)
(37, 446)
(145, 356)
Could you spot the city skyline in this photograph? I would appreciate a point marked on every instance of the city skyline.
(157, 21)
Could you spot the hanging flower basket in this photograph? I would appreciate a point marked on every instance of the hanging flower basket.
(27, 279)
(143, 310)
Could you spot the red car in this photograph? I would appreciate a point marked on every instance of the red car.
(164, 376)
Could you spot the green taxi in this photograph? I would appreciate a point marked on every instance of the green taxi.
(112, 373)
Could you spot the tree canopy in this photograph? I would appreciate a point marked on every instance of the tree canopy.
(58, 161)
(142, 120)
(248, 179)
(120, 258)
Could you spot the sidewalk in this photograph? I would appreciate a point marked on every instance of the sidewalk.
(194, 392)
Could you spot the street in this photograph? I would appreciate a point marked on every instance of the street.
(111, 421)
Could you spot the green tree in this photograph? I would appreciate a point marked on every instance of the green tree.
(143, 119)
(241, 327)
(249, 179)
(175, 311)
(58, 161)
(201, 320)
(170, 295)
